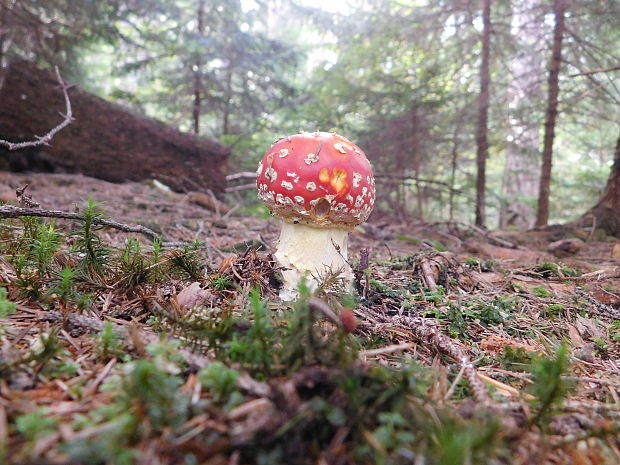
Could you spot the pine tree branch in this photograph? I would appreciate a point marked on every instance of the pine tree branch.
(47, 138)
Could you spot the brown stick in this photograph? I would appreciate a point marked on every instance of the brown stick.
(424, 330)
(9, 211)
(596, 71)
(46, 139)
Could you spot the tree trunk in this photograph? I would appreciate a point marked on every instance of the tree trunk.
(226, 122)
(542, 217)
(196, 111)
(520, 182)
(606, 212)
(483, 112)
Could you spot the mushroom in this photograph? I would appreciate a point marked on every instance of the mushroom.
(321, 185)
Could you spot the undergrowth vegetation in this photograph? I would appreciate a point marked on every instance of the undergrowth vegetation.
(110, 367)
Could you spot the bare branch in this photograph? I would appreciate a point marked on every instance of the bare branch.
(241, 175)
(46, 139)
(10, 211)
(596, 71)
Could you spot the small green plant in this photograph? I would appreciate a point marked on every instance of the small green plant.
(35, 425)
(601, 346)
(64, 287)
(134, 266)
(614, 331)
(6, 306)
(152, 396)
(221, 283)
(516, 358)
(220, 381)
(108, 343)
(552, 310)
(540, 291)
(549, 387)
(44, 246)
(255, 349)
(88, 244)
(549, 269)
(186, 263)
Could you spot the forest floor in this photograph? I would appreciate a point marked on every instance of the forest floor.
(460, 347)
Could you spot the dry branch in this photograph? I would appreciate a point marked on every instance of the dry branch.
(9, 211)
(47, 138)
(424, 330)
(596, 71)
(94, 325)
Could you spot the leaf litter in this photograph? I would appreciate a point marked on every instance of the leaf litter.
(460, 346)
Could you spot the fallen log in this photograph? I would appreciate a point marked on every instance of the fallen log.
(105, 140)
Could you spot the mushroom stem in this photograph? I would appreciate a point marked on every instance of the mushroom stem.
(311, 252)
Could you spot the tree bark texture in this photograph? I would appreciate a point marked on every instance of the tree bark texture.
(542, 217)
(483, 112)
(606, 212)
(104, 141)
(197, 108)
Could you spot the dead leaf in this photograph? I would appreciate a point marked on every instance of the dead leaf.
(587, 328)
(575, 338)
(615, 252)
(192, 296)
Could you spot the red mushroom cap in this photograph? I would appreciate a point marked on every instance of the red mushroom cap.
(319, 179)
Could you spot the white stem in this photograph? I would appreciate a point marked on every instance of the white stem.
(313, 253)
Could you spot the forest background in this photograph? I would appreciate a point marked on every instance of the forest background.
(429, 89)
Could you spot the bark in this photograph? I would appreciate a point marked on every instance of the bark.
(197, 108)
(542, 217)
(483, 112)
(226, 122)
(104, 141)
(606, 212)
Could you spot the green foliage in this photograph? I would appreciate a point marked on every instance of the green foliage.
(186, 263)
(64, 287)
(88, 244)
(540, 291)
(549, 387)
(152, 396)
(35, 425)
(6, 306)
(220, 381)
(614, 331)
(134, 265)
(108, 343)
(548, 269)
(516, 358)
(255, 350)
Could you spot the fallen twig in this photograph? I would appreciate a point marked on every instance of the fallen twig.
(46, 139)
(10, 211)
(601, 308)
(427, 332)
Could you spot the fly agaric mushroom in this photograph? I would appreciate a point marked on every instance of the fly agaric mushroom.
(321, 185)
